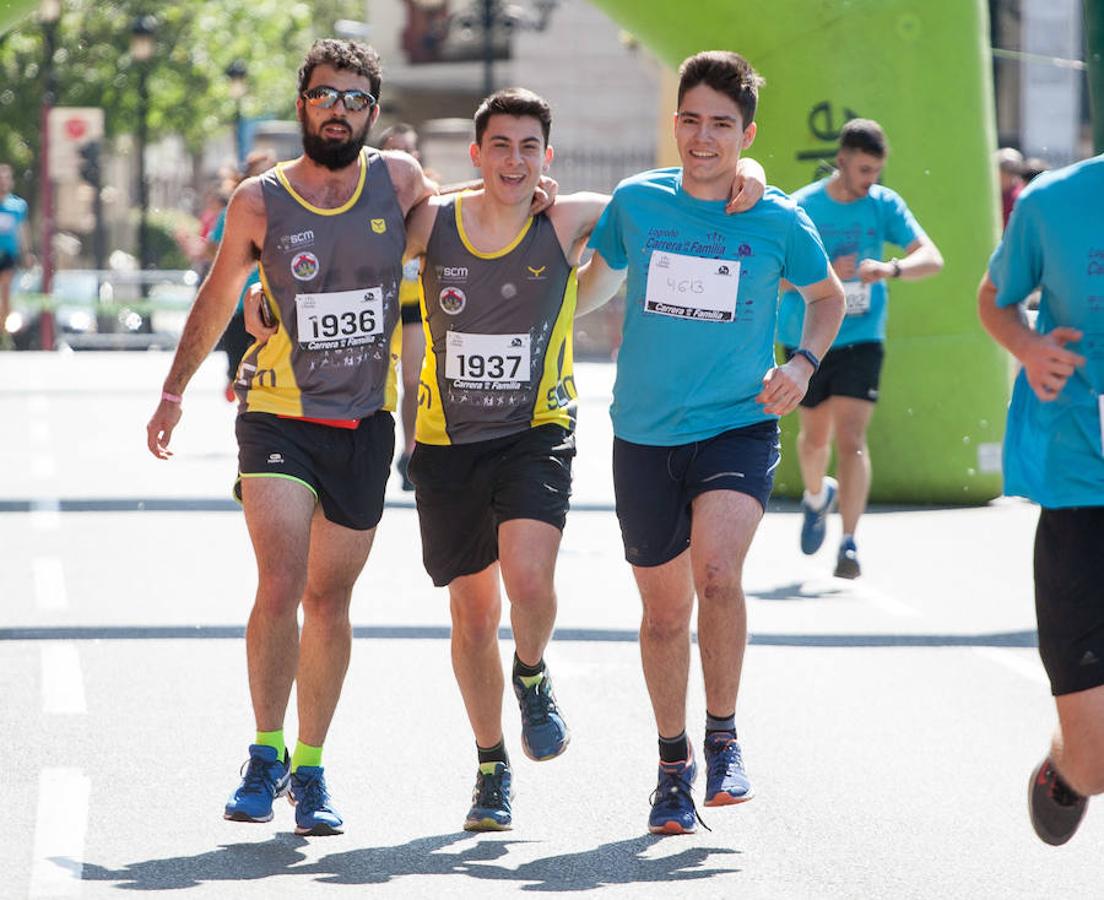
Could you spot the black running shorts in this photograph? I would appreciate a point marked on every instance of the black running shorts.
(346, 469)
(655, 486)
(851, 371)
(465, 491)
(1069, 596)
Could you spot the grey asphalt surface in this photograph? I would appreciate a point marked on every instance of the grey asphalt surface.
(889, 724)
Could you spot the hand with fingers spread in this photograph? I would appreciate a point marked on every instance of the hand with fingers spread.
(1048, 364)
(545, 195)
(160, 428)
(784, 386)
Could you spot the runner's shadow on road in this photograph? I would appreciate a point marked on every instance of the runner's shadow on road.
(620, 862)
(800, 590)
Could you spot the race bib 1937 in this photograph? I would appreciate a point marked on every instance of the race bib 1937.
(689, 287)
(487, 358)
(339, 319)
(857, 297)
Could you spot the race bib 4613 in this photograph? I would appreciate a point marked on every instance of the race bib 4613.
(689, 287)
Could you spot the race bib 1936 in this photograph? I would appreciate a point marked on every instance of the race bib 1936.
(487, 358)
(340, 319)
(689, 287)
(857, 297)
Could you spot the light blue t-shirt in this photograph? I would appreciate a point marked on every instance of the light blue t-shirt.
(1055, 241)
(861, 227)
(698, 337)
(215, 235)
(13, 212)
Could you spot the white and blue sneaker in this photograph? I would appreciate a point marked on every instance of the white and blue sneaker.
(264, 778)
(814, 522)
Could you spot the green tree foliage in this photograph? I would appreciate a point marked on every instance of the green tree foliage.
(188, 87)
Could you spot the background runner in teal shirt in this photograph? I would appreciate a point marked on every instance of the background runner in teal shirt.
(1053, 454)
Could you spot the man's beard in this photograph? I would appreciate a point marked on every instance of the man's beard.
(332, 154)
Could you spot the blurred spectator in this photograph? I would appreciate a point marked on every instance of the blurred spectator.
(1010, 166)
(236, 340)
(403, 137)
(1034, 166)
(14, 242)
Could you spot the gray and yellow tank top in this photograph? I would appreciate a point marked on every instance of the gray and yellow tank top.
(498, 332)
(332, 277)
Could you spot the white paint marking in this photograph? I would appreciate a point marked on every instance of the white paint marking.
(45, 514)
(62, 681)
(49, 583)
(1022, 662)
(60, 826)
(42, 466)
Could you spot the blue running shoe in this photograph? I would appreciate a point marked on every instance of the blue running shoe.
(726, 782)
(847, 563)
(264, 778)
(544, 733)
(673, 810)
(313, 813)
(814, 522)
(490, 810)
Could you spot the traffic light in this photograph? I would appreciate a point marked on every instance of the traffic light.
(89, 166)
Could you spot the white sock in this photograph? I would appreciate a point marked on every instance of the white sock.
(817, 501)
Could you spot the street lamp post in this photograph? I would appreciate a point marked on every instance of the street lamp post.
(237, 72)
(142, 34)
(49, 12)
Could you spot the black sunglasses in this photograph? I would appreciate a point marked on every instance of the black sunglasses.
(326, 97)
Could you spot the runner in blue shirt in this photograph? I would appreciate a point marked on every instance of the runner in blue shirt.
(1053, 455)
(13, 246)
(855, 216)
(696, 402)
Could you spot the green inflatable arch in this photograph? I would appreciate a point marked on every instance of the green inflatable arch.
(11, 11)
(921, 68)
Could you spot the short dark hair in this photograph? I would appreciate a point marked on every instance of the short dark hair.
(350, 55)
(866, 136)
(513, 102)
(726, 72)
(397, 130)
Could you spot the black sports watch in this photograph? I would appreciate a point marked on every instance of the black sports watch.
(809, 355)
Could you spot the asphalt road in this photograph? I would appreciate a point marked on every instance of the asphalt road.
(889, 724)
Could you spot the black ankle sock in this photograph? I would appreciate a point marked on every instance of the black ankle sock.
(674, 749)
(720, 723)
(527, 671)
(497, 753)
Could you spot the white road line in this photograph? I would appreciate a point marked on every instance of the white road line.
(62, 680)
(60, 826)
(45, 514)
(49, 583)
(1021, 662)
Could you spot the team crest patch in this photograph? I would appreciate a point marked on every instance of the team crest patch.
(304, 266)
(379, 226)
(452, 300)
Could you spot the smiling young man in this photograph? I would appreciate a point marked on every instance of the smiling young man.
(314, 429)
(696, 403)
(855, 216)
(495, 427)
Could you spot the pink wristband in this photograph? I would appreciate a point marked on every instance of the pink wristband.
(172, 398)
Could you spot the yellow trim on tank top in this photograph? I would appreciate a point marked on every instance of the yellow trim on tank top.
(318, 210)
(391, 386)
(562, 336)
(429, 424)
(497, 254)
(283, 399)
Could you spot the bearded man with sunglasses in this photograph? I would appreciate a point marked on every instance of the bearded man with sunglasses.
(315, 431)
